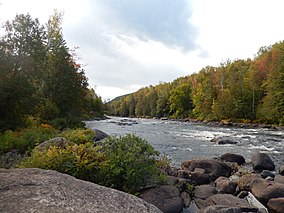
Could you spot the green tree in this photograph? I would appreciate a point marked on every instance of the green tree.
(22, 59)
(180, 101)
(66, 83)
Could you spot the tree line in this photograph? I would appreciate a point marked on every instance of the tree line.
(250, 90)
(40, 78)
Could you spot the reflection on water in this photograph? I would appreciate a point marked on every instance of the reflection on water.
(182, 141)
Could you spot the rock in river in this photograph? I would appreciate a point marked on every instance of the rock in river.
(224, 140)
(231, 157)
(261, 161)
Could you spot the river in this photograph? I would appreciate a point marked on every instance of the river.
(184, 140)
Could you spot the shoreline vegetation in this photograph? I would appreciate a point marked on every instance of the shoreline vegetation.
(250, 90)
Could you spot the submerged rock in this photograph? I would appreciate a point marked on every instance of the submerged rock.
(224, 140)
(45, 191)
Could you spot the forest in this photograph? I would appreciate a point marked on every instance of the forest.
(250, 90)
(40, 78)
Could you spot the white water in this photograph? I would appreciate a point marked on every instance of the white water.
(182, 141)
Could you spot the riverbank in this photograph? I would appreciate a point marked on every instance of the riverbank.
(225, 184)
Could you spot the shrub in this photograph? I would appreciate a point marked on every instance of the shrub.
(25, 140)
(132, 163)
(125, 163)
(83, 161)
(78, 136)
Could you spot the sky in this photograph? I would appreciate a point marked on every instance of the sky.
(125, 45)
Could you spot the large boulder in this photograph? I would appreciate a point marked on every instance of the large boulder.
(231, 157)
(228, 200)
(45, 191)
(265, 190)
(276, 205)
(166, 198)
(211, 167)
(225, 185)
(261, 161)
(197, 177)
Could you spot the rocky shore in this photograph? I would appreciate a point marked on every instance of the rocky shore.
(223, 185)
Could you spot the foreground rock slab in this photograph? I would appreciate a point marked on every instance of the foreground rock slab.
(36, 190)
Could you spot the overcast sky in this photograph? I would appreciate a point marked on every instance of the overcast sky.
(129, 44)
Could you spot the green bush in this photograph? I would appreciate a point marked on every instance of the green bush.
(25, 140)
(132, 163)
(83, 161)
(125, 163)
(78, 136)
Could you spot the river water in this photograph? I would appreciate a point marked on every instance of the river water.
(184, 140)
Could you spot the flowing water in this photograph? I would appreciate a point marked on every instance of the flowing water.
(184, 140)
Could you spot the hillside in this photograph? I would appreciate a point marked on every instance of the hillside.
(240, 90)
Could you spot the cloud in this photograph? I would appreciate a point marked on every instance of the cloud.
(130, 44)
(165, 21)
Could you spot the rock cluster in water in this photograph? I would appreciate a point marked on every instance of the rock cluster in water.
(227, 185)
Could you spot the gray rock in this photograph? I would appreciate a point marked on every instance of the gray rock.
(244, 182)
(265, 190)
(213, 168)
(45, 191)
(281, 170)
(225, 185)
(199, 178)
(204, 191)
(171, 180)
(276, 205)
(100, 135)
(224, 140)
(266, 173)
(279, 179)
(230, 201)
(220, 209)
(166, 198)
(230, 157)
(58, 142)
(261, 161)
(243, 194)
(186, 199)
